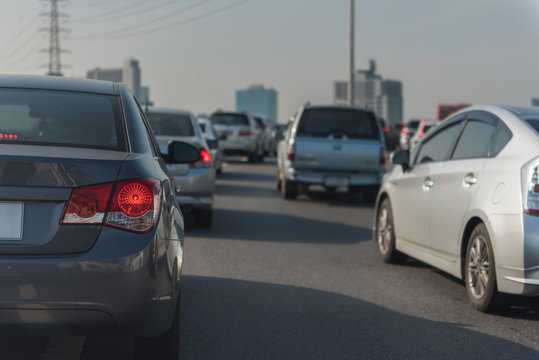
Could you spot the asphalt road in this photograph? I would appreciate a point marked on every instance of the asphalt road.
(276, 279)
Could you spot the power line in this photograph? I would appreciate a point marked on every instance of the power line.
(138, 25)
(168, 26)
(134, 13)
(112, 12)
(19, 34)
(87, 4)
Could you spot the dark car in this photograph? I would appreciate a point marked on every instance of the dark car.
(90, 231)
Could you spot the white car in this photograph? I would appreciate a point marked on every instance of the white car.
(465, 199)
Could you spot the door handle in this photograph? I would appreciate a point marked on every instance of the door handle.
(470, 180)
(428, 184)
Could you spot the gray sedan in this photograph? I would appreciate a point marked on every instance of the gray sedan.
(196, 181)
(466, 200)
(90, 231)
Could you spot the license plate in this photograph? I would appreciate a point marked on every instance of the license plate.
(11, 215)
(336, 181)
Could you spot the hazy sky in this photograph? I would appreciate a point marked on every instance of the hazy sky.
(195, 53)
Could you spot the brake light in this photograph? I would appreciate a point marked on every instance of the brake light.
(8, 136)
(530, 188)
(421, 132)
(134, 205)
(206, 157)
(404, 131)
(245, 133)
(87, 205)
(291, 156)
(384, 129)
(382, 157)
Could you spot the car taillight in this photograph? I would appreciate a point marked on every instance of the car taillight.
(291, 156)
(245, 133)
(87, 205)
(421, 132)
(382, 157)
(404, 131)
(134, 205)
(8, 136)
(384, 129)
(205, 160)
(530, 187)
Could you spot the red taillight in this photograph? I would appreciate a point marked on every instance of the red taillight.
(88, 204)
(404, 131)
(245, 133)
(384, 129)
(382, 157)
(8, 136)
(134, 205)
(421, 132)
(291, 157)
(205, 156)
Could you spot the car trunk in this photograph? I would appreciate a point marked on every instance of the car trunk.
(337, 154)
(35, 186)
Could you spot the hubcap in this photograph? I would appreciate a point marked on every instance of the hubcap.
(478, 267)
(384, 230)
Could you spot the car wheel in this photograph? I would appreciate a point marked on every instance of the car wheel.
(480, 273)
(288, 190)
(385, 235)
(166, 346)
(204, 218)
(253, 157)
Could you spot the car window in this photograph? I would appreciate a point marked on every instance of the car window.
(171, 124)
(474, 141)
(502, 138)
(202, 127)
(534, 123)
(61, 119)
(437, 147)
(229, 119)
(322, 122)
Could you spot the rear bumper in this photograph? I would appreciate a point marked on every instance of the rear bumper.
(239, 146)
(196, 188)
(320, 177)
(127, 283)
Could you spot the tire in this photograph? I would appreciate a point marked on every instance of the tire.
(204, 218)
(166, 346)
(385, 235)
(480, 273)
(288, 190)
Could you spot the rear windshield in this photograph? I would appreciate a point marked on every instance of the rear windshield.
(534, 123)
(58, 118)
(354, 124)
(171, 124)
(229, 119)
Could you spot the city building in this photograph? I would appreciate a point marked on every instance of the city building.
(373, 92)
(535, 101)
(258, 100)
(129, 74)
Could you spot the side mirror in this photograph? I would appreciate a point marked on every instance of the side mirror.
(181, 153)
(401, 157)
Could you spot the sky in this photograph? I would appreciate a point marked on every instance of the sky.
(194, 54)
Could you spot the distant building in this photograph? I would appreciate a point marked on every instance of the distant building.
(258, 100)
(535, 101)
(129, 74)
(373, 92)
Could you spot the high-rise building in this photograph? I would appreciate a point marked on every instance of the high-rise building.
(535, 101)
(258, 100)
(373, 92)
(129, 74)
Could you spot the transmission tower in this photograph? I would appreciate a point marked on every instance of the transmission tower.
(54, 50)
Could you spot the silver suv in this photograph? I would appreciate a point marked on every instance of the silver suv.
(239, 134)
(197, 180)
(332, 146)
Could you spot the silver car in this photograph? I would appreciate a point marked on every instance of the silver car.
(196, 181)
(213, 143)
(466, 200)
(240, 134)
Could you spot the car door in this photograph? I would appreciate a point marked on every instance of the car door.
(413, 197)
(456, 181)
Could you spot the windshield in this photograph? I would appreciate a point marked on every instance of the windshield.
(229, 119)
(355, 124)
(534, 123)
(61, 119)
(171, 124)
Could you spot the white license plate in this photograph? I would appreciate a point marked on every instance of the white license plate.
(336, 181)
(11, 215)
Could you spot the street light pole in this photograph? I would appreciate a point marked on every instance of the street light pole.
(351, 81)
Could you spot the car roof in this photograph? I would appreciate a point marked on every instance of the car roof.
(522, 111)
(43, 82)
(345, 107)
(166, 110)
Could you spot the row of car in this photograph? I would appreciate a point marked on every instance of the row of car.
(462, 196)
